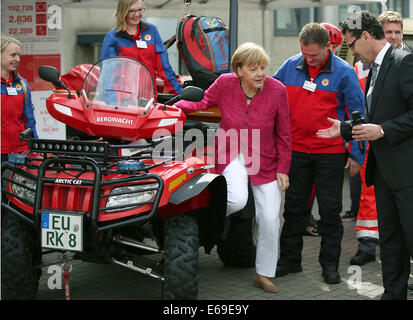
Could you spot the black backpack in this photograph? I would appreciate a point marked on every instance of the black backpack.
(203, 43)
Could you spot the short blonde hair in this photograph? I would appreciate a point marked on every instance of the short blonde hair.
(249, 54)
(122, 12)
(391, 17)
(5, 41)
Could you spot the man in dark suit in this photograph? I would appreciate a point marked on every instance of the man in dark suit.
(389, 129)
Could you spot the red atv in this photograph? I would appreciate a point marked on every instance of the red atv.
(133, 195)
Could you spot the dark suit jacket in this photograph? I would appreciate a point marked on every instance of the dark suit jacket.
(392, 108)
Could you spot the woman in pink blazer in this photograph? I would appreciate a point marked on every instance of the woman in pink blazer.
(253, 142)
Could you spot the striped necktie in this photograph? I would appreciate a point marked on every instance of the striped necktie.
(374, 72)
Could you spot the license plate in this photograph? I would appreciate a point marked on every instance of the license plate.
(62, 231)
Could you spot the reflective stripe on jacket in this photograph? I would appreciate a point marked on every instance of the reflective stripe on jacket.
(367, 225)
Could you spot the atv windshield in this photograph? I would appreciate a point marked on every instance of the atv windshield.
(118, 82)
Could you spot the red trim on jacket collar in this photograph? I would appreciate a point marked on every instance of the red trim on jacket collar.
(136, 36)
(13, 76)
(313, 71)
(124, 34)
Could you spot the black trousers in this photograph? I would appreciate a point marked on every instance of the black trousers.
(355, 191)
(395, 219)
(326, 171)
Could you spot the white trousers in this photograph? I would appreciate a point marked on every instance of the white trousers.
(267, 199)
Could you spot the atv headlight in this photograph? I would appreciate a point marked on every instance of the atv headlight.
(23, 187)
(127, 197)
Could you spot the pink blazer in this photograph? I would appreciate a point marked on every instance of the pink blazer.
(260, 130)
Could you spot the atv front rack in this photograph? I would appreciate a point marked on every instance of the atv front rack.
(76, 158)
(106, 154)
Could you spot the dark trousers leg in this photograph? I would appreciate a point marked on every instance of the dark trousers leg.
(329, 176)
(355, 191)
(326, 171)
(296, 208)
(395, 219)
(368, 245)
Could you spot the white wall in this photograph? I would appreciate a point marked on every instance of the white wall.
(77, 19)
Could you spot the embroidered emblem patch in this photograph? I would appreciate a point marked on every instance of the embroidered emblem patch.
(325, 82)
(18, 87)
(147, 37)
(210, 22)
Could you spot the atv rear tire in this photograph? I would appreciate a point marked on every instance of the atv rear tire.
(238, 249)
(181, 258)
(20, 259)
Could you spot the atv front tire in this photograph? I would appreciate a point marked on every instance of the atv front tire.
(20, 259)
(181, 258)
(238, 249)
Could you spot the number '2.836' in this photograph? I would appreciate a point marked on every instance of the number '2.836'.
(20, 19)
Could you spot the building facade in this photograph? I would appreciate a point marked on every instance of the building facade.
(85, 23)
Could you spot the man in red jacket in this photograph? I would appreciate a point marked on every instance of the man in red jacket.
(318, 83)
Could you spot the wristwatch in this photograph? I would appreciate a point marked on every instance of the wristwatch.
(382, 132)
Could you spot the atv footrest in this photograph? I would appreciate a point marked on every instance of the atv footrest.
(135, 244)
(147, 271)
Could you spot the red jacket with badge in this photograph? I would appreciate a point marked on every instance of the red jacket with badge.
(333, 92)
(147, 47)
(16, 114)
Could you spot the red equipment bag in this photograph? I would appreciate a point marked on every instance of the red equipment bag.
(203, 43)
(73, 79)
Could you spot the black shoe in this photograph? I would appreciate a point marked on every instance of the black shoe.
(362, 257)
(285, 268)
(349, 216)
(331, 275)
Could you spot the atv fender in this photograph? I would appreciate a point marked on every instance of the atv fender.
(211, 220)
(194, 187)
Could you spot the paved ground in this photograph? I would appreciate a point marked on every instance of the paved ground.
(109, 282)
